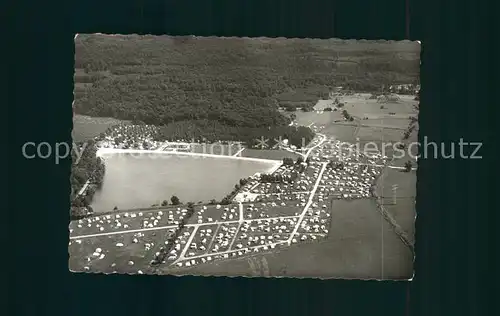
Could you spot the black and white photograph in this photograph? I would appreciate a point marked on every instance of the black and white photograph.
(253, 157)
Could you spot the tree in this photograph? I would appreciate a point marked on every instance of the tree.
(213, 201)
(408, 166)
(190, 208)
(328, 109)
(175, 200)
(287, 161)
(90, 210)
(164, 203)
(115, 208)
(300, 160)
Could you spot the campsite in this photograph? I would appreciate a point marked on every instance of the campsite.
(309, 173)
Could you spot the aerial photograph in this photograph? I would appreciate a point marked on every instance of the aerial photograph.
(254, 157)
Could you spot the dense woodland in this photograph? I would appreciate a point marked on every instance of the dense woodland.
(212, 131)
(215, 89)
(220, 88)
(87, 168)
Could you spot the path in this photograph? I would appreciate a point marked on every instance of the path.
(323, 139)
(188, 244)
(102, 151)
(304, 156)
(293, 192)
(383, 166)
(240, 222)
(309, 202)
(231, 251)
(358, 126)
(239, 152)
(213, 237)
(341, 123)
(83, 188)
(175, 226)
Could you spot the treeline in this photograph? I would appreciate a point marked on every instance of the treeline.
(229, 198)
(278, 178)
(299, 166)
(347, 116)
(294, 106)
(213, 131)
(87, 168)
(230, 82)
(171, 238)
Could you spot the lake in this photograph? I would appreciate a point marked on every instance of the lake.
(140, 180)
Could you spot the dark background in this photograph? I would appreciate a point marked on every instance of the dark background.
(455, 211)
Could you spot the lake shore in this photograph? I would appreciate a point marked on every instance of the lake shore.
(104, 151)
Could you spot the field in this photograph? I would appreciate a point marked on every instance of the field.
(86, 127)
(216, 88)
(398, 192)
(360, 244)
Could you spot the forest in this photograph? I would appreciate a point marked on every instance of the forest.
(220, 88)
(88, 168)
(212, 131)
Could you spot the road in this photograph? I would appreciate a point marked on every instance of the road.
(372, 126)
(241, 219)
(310, 149)
(382, 166)
(358, 126)
(83, 188)
(102, 151)
(240, 222)
(323, 138)
(309, 202)
(231, 251)
(214, 236)
(239, 152)
(188, 244)
(129, 231)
